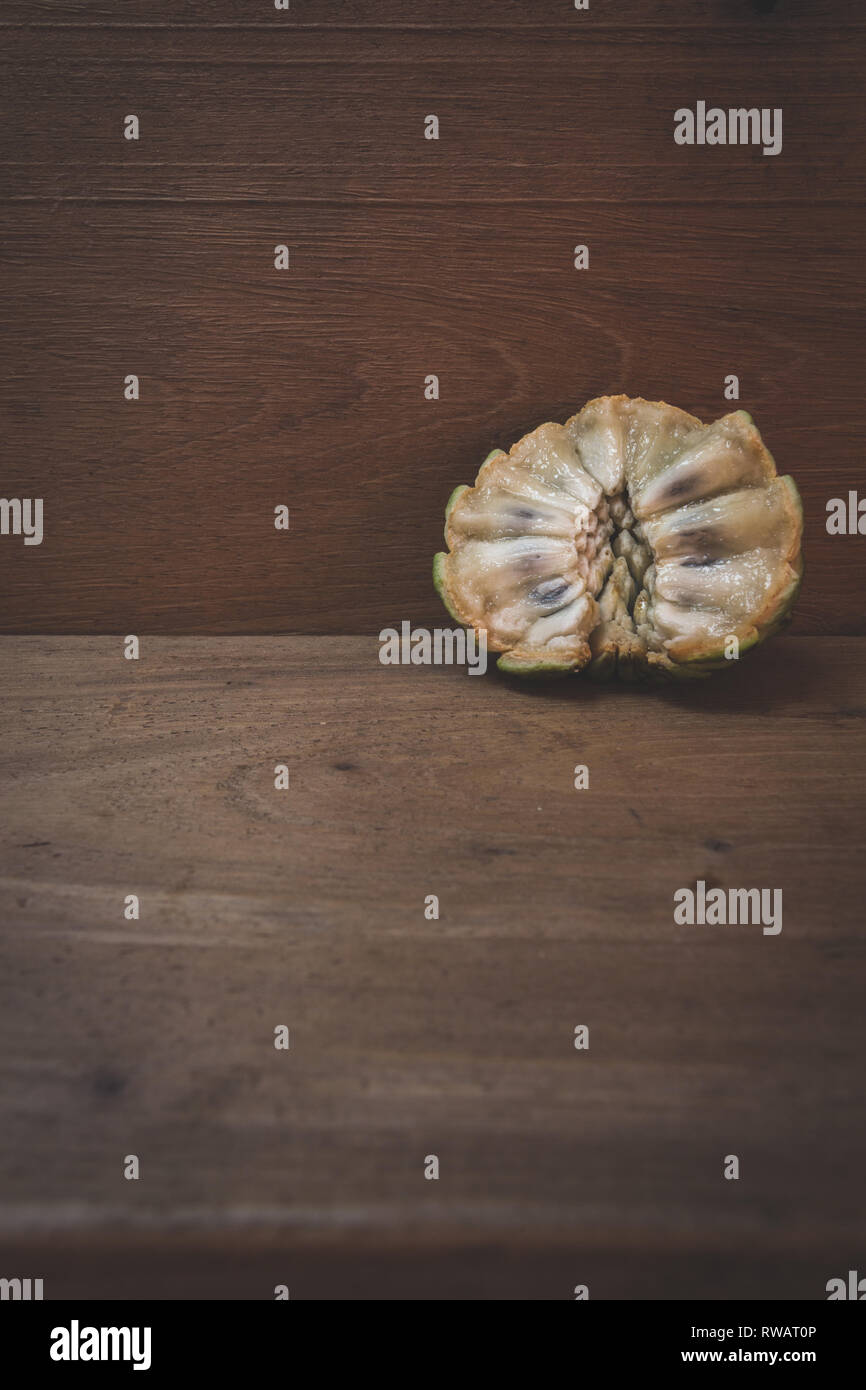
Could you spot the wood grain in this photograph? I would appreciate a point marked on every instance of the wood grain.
(408, 257)
(761, 16)
(410, 1036)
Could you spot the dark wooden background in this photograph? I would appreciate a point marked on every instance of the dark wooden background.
(409, 257)
(411, 1036)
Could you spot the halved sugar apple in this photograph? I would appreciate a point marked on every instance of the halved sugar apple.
(633, 539)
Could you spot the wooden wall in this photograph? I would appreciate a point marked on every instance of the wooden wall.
(408, 257)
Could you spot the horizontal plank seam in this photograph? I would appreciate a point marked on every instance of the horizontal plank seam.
(117, 200)
(447, 58)
(316, 166)
(548, 27)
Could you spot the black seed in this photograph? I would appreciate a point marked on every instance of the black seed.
(700, 562)
(677, 488)
(549, 592)
(524, 513)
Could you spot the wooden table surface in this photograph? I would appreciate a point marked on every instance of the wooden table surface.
(412, 1037)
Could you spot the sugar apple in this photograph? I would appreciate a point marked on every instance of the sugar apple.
(633, 540)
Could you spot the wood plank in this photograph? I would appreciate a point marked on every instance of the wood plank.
(307, 389)
(412, 1036)
(409, 257)
(342, 116)
(754, 15)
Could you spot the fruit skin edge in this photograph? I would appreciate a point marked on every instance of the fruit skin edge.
(597, 668)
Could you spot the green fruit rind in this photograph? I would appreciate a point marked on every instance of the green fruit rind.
(441, 584)
(793, 496)
(517, 666)
(458, 492)
(451, 504)
(714, 659)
